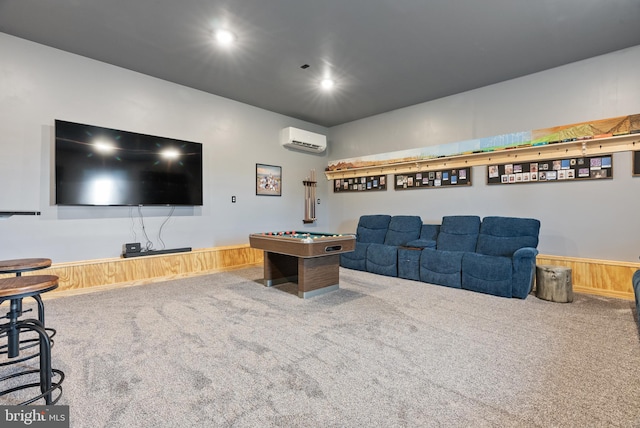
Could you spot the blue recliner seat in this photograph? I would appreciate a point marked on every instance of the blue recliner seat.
(383, 258)
(371, 229)
(442, 265)
(505, 258)
(636, 290)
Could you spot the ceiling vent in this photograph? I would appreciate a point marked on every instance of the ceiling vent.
(299, 139)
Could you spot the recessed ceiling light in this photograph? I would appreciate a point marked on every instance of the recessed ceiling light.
(327, 84)
(225, 37)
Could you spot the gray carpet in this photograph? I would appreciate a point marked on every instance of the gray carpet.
(224, 351)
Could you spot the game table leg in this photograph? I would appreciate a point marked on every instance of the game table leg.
(314, 275)
(279, 268)
(318, 275)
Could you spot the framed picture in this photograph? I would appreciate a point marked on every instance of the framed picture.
(268, 180)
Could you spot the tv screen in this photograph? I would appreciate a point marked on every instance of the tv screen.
(102, 166)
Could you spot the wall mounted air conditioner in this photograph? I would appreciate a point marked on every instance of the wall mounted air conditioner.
(299, 139)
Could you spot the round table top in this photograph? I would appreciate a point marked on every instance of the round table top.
(23, 265)
(19, 286)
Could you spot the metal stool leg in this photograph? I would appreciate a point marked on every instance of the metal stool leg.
(46, 373)
(45, 363)
(13, 348)
(50, 331)
(15, 310)
(12, 330)
(15, 289)
(38, 299)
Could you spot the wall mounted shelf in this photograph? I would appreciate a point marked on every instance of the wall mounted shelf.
(592, 147)
(12, 213)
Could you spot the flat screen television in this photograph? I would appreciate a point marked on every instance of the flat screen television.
(103, 166)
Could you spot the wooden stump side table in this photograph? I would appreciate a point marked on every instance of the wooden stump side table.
(554, 283)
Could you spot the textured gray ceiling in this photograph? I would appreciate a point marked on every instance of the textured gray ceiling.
(383, 54)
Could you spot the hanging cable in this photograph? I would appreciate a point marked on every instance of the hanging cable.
(173, 208)
(133, 225)
(148, 245)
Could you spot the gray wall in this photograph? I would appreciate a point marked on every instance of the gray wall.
(39, 84)
(591, 219)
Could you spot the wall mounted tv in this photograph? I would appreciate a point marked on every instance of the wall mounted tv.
(102, 166)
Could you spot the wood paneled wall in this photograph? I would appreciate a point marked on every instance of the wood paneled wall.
(590, 276)
(120, 272)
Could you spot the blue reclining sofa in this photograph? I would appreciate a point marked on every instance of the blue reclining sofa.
(378, 238)
(504, 261)
(495, 255)
(635, 281)
(371, 230)
(442, 264)
(409, 254)
(383, 258)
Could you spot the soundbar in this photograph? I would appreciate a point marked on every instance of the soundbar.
(157, 252)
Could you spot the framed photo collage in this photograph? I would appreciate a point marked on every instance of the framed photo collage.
(433, 179)
(577, 168)
(360, 184)
(564, 169)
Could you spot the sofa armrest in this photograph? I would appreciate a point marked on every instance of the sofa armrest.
(524, 268)
(635, 280)
(525, 253)
(421, 243)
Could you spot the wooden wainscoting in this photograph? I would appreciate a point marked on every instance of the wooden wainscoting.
(592, 276)
(94, 275)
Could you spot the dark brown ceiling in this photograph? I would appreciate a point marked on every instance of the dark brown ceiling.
(383, 54)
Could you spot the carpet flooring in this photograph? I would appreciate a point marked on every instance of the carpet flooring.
(222, 350)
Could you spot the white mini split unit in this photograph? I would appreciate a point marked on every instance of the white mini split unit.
(299, 139)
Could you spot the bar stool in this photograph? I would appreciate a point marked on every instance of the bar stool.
(18, 266)
(15, 289)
